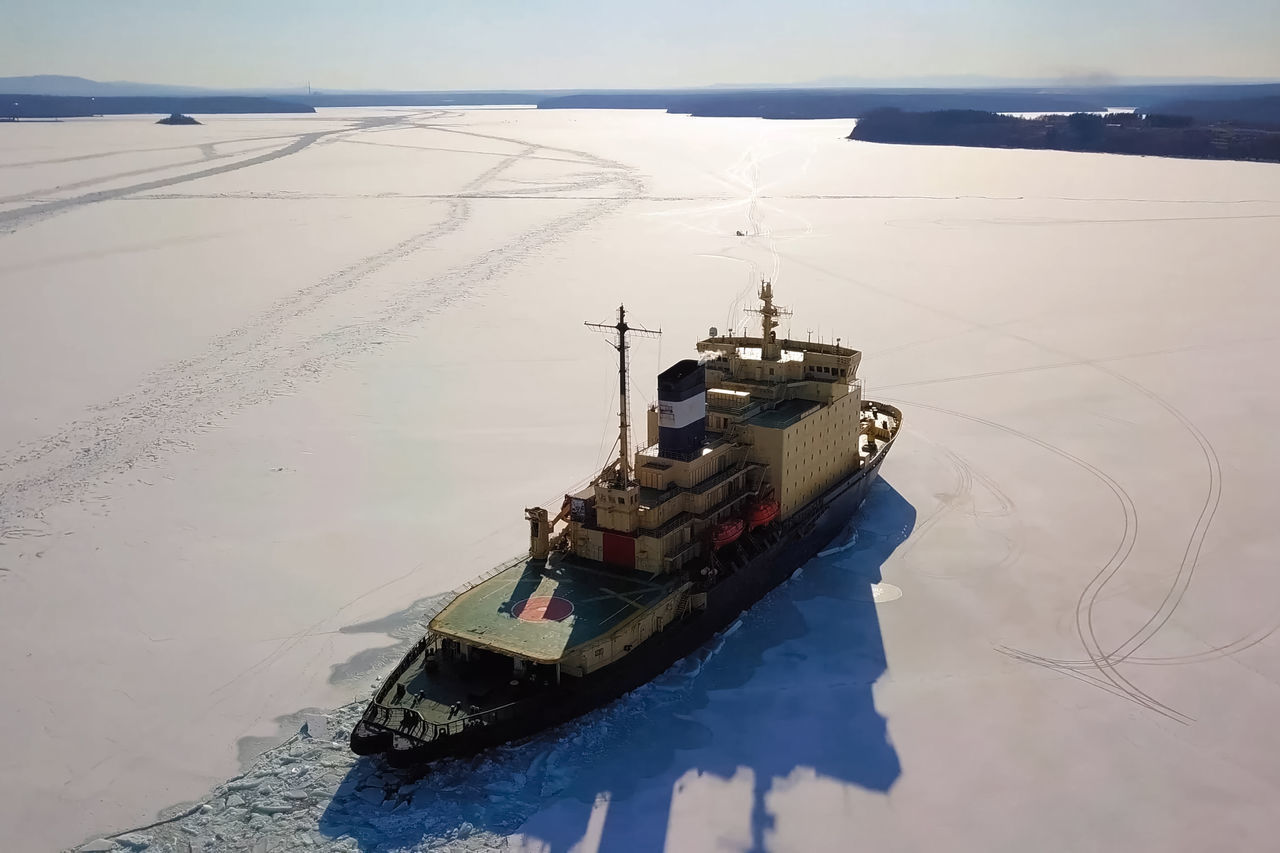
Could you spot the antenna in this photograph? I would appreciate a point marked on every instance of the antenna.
(624, 441)
(769, 349)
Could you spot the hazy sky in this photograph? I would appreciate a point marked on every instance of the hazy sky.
(435, 44)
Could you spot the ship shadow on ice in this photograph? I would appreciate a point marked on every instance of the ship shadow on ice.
(785, 693)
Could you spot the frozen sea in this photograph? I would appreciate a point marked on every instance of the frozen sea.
(273, 384)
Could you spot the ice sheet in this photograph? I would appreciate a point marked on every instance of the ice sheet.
(248, 408)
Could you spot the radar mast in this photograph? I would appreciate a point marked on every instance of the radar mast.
(622, 474)
(769, 348)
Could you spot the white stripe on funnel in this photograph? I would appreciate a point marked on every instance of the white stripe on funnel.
(681, 413)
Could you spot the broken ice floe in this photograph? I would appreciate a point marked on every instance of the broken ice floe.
(311, 792)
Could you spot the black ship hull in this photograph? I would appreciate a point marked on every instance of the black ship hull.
(765, 560)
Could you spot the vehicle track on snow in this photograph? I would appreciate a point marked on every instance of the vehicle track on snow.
(1083, 362)
(1108, 676)
(102, 179)
(744, 176)
(1190, 559)
(498, 195)
(947, 502)
(12, 220)
(472, 151)
(257, 361)
(587, 157)
(968, 505)
(960, 498)
(124, 151)
(1191, 553)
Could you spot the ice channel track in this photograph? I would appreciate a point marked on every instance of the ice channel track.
(208, 152)
(1100, 670)
(12, 220)
(258, 361)
(1105, 662)
(961, 499)
(99, 155)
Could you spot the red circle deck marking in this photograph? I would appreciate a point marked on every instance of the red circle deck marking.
(544, 608)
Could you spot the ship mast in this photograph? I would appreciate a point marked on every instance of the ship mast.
(769, 349)
(623, 473)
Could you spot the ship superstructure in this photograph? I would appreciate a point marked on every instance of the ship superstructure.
(755, 450)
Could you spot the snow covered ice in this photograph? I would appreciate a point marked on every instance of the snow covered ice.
(266, 380)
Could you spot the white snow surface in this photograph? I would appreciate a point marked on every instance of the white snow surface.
(273, 384)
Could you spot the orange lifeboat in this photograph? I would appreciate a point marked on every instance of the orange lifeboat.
(727, 532)
(761, 513)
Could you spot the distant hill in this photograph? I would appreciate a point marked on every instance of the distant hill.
(59, 84)
(55, 106)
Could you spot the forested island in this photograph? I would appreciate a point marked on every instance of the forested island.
(1153, 134)
(823, 104)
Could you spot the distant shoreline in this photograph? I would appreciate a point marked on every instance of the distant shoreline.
(76, 97)
(25, 107)
(1117, 133)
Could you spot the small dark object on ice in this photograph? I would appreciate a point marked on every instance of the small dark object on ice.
(177, 118)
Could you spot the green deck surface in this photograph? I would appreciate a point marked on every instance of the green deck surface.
(602, 598)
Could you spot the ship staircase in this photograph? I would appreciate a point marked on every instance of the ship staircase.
(704, 521)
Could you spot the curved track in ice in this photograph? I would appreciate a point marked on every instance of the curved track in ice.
(269, 355)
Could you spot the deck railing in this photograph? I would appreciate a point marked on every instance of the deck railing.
(408, 723)
(446, 600)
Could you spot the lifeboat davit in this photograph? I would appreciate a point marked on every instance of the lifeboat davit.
(727, 532)
(762, 513)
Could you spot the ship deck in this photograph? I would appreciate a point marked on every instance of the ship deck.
(452, 693)
(538, 612)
